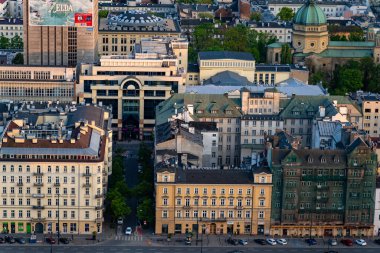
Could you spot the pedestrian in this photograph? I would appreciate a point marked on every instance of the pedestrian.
(72, 237)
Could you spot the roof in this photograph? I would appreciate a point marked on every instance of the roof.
(227, 78)
(199, 176)
(276, 45)
(346, 53)
(222, 107)
(10, 21)
(327, 128)
(288, 87)
(272, 68)
(192, 67)
(306, 107)
(310, 14)
(224, 55)
(355, 44)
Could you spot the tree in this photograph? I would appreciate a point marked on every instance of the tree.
(350, 80)
(285, 14)
(145, 211)
(286, 54)
(205, 15)
(19, 59)
(319, 77)
(119, 208)
(4, 42)
(256, 16)
(143, 189)
(16, 43)
(103, 13)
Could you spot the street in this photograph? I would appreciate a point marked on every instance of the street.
(189, 249)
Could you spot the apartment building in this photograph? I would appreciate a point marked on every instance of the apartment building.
(208, 108)
(120, 31)
(11, 27)
(55, 164)
(377, 209)
(281, 30)
(323, 192)
(60, 45)
(204, 201)
(135, 84)
(15, 8)
(370, 104)
(37, 83)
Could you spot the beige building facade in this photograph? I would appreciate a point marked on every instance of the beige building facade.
(54, 178)
(213, 201)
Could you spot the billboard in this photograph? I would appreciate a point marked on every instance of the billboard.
(61, 13)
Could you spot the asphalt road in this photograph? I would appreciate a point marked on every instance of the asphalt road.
(186, 249)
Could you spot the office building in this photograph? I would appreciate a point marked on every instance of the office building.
(11, 27)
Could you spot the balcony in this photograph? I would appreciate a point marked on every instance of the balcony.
(213, 219)
(239, 207)
(38, 195)
(20, 184)
(86, 185)
(187, 207)
(99, 220)
(57, 184)
(38, 207)
(99, 195)
(38, 184)
(99, 207)
(86, 174)
(38, 174)
(41, 219)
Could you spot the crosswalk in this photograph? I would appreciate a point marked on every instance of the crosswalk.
(128, 238)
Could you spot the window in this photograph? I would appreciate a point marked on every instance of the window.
(261, 214)
(164, 214)
(262, 202)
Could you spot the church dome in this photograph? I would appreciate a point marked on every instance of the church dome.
(310, 14)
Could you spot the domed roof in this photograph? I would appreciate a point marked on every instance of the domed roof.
(310, 14)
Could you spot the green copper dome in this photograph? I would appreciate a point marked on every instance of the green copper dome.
(310, 14)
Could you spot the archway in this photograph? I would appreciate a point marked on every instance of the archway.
(131, 108)
(39, 228)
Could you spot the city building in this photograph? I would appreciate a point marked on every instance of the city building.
(323, 192)
(281, 30)
(312, 47)
(369, 103)
(11, 27)
(377, 209)
(194, 143)
(15, 9)
(208, 108)
(55, 164)
(132, 5)
(37, 83)
(204, 201)
(119, 32)
(3, 7)
(60, 45)
(135, 84)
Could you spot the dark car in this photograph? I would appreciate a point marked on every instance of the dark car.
(64, 240)
(331, 251)
(232, 241)
(2, 240)
(260, 241)
(50, 240)
(347, 242)
(236, 251)
(20, 240)
(311, 241)
(377, 241)
(9, 239)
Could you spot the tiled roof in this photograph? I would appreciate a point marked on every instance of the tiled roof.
(331, 157)
(199, 176)
(220, 55)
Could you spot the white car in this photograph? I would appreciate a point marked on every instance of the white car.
(361, 242)
(271, 241)
(128, 231)
(282, 241)
(120, 221)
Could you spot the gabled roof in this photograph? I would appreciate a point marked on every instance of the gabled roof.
(306, 107)
(332, 157)
(358, 142)
(224, 55)
(227, 78)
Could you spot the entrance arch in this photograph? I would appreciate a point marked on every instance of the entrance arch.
(39, 228)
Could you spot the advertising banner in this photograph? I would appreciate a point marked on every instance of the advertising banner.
(61, 13)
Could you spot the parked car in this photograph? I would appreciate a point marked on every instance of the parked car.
(64, 240)
(120, 221)
(9, 239)
(332, 242)
(377, 241)
(20, 240)
(311, 241)
(243, 242)
(331, 251)
(260, 241)
(188, 241)
(271, 241)
(361, 242)
(347, 242)
(50, 240)
(232, 241)
(128, 231)
(2, 240)
(282, 241)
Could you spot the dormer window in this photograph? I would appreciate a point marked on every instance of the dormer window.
(323, 159)
(310, 159)
(228, 112)
(296, 113)
(199, 111)
(166, 179)
(214, 111)
(336, 159)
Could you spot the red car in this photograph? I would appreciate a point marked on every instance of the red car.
(347, 242)
(50, 240)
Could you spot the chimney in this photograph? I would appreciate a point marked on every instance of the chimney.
(322, 111)
(190, 108)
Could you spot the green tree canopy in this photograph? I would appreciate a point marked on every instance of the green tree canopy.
(16, 42)
(286, 54)
(145, 211)
(4, 42)
(285, 14)
(256, 16)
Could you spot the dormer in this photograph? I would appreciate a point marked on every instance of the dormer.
(165, 177)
